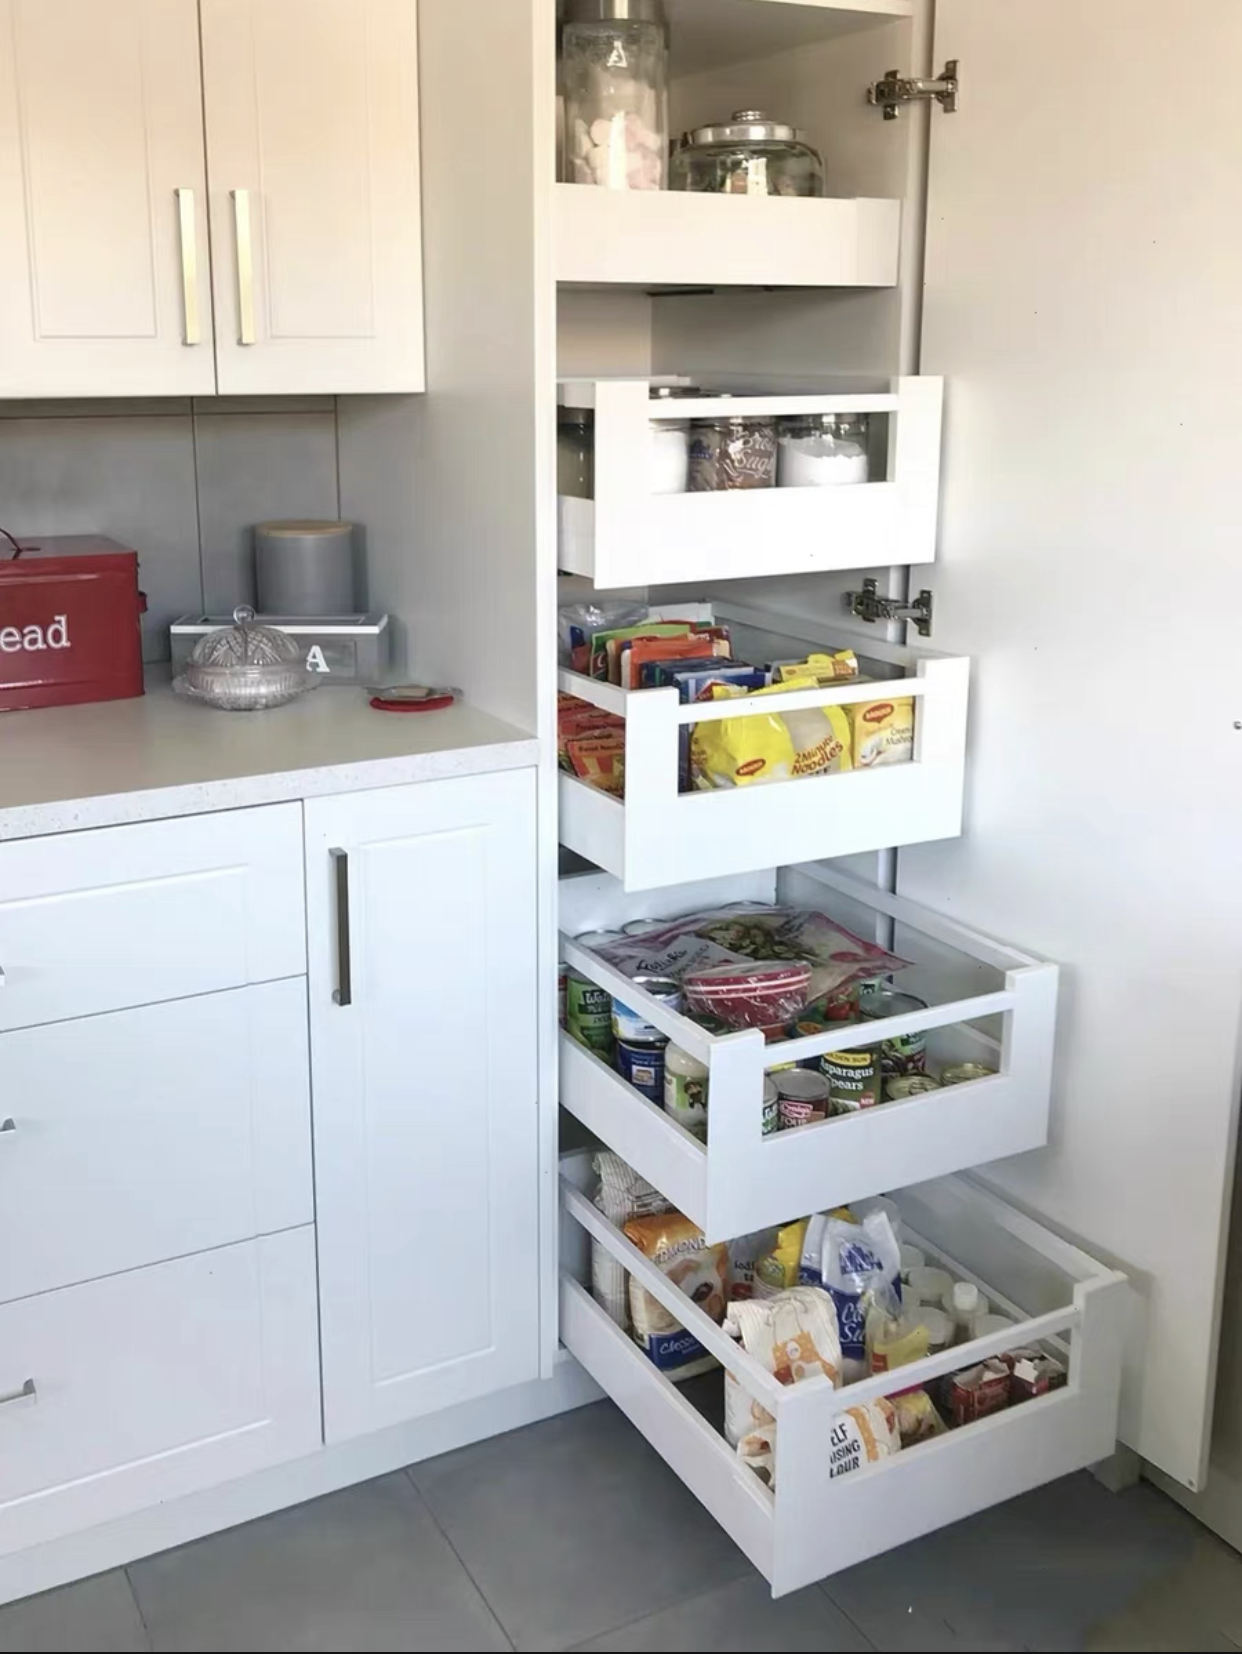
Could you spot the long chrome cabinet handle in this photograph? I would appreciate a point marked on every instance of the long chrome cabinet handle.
(192, 333)
(26, 1393)
(245, 267)
(344, 991)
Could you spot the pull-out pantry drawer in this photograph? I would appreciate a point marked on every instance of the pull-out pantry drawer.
(122, 916)
(146, 1386)
(982, 1002)
(813, 1523)
(659, 835)
(142, 1135)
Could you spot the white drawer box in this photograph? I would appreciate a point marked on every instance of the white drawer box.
(142, 1135)
(676, 238)
(123, 916)
(661, 836)
(741, 1181)
(812, 1525)
(147, 1386)
(628, 536)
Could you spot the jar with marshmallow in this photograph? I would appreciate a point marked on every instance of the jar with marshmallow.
(614, 70)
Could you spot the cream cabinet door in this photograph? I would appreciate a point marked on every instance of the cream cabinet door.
(104, 283)
(422, 924)
(312, 147)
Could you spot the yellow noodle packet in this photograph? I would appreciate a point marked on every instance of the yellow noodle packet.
(740, 752)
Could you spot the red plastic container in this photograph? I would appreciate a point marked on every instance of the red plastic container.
(70, 624)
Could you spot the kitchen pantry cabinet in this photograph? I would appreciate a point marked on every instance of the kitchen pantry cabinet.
(310, 276)
(1078, 306)
(422, 922)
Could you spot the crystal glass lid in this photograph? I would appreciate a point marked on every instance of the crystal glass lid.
(246, 644)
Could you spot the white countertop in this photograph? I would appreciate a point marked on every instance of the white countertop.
(67, 768)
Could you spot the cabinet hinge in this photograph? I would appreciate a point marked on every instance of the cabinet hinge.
(868, 605)
(895, 89)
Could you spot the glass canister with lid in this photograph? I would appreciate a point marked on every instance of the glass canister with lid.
(614, 71)
(751, 154)
(734, 451)
(823, 450)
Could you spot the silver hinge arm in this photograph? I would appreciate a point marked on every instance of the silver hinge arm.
(868, 605)
(895, 89)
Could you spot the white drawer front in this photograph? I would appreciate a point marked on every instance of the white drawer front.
(124, 916)
(150, 1385)
(659, 836)
(143, 1135)
(741, 1181)
(813, 1525)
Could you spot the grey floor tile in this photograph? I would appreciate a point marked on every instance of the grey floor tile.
(96, 1616)
(363, 1569)
(575, 1527)
(1042, 1571)
(740, 1617)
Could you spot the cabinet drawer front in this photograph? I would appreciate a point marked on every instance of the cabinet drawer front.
(814, 1525)
(149, 1134)
(98, 921)
(981, 1001)
(150, 1385)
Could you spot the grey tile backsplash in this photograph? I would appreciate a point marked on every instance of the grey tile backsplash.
(181, 484)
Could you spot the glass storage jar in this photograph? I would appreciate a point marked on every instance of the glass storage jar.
(733, 452)
(748, 155)
(614, 70)
(823, 450)
(575, 453)
(670, 444)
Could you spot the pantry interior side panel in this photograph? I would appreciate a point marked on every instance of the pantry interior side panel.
(457, 488)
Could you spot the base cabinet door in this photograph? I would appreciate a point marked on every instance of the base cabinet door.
(422, 915)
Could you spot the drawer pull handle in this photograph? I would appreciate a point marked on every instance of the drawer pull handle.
(191, 333)
(8, 1126)
(245, 267)
(344, 992)
(26, 1393)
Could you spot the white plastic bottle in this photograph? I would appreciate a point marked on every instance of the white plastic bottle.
(967, 1310)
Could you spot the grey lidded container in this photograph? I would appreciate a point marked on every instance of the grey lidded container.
(304, 568)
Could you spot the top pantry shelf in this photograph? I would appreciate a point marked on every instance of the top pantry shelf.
(662, 239)
(711, 34)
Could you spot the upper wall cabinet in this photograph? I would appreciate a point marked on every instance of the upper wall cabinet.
(104, 283)
(312, 152)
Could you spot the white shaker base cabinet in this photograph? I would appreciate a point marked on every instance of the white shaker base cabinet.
(422, 924)
(105, 285)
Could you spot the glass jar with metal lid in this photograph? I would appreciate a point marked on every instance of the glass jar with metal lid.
(732, 452)
(614, 71)
(748, 155)
(823, 450)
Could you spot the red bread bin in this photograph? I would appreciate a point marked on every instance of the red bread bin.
(70, 624)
